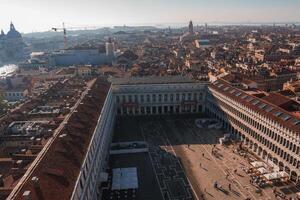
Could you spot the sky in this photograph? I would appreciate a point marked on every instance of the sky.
(41, 15)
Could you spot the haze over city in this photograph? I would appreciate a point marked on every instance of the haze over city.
(149, 100)
(40, 15)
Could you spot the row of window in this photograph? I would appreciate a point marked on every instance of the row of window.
(265, 130)
(13, 94)
(218, 105)
(159, 110)
(96, 152)
(158, 98)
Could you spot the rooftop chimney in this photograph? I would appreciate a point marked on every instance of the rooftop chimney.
(26, 195)
(1, 181)
(35, 181)
(37, 187)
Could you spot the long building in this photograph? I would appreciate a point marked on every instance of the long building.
(265, 129)
(158, 95)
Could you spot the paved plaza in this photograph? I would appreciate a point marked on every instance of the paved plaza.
(182, 162)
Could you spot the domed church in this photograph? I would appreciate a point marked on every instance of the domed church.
(11, 45)
(13, 33)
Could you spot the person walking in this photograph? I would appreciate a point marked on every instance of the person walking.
(229, 186)
(215, 184)
(227, 175)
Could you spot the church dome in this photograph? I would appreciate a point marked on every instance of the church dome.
(13, 33)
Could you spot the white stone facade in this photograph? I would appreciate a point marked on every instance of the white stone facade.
(271, 141)
(155, 99)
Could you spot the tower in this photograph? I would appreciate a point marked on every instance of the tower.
(110, 48)
(191, 27)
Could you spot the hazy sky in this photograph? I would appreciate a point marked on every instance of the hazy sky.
(36, 15)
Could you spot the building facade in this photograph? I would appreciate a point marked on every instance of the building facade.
(95, 162)
(190, 99)
(265, 129)
(158, 95)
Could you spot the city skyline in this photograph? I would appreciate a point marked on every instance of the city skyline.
(33, 15)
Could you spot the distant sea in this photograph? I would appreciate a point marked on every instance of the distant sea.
(7, 70)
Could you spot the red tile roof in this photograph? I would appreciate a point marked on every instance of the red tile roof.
(59, 168)
(292, 122)
(276, 99)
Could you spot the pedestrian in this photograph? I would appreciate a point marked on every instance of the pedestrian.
(200, 164)
(215, 184)
(227, 175)
(202, 154)
(205, 190)
(229, 186)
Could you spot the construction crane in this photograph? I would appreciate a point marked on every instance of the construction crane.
(64, 32)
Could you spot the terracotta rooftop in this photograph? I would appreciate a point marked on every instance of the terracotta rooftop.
(261, 106)
(151, 80)
(276, 99)
(58, 165)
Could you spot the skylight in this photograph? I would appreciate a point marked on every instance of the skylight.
(261, 106)
(249, 99)
(232, 91)
(277, 113)
(255, 102)
(285, 117)
(269, 109)
(243, 97)
(225, 89)
(238, 94)
(296, 122)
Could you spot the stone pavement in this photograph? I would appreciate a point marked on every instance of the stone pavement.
(193, 147)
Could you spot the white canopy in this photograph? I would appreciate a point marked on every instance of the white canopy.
(258, 164)
(262, 170)
(271, 176)
(276, 175)
(124, 178)
(283, 174)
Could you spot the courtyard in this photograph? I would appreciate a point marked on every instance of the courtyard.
(187, 162)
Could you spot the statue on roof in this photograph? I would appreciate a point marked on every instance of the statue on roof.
(12, 27)
(13, 33)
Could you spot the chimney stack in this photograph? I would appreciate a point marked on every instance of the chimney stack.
(35, 181)
(1, 181)
(26, 195)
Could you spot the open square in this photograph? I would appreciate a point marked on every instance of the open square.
(186, 161)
